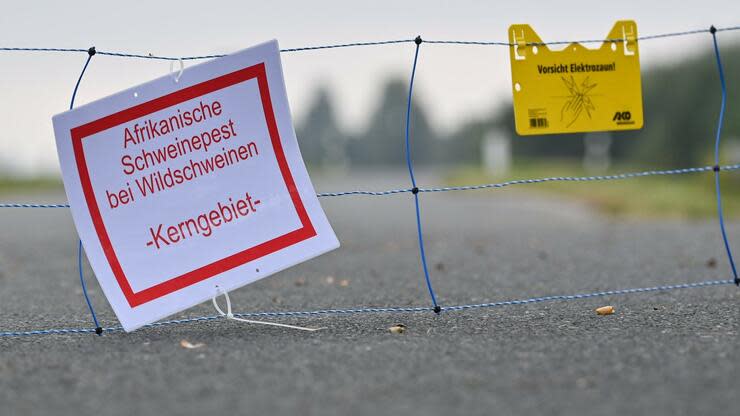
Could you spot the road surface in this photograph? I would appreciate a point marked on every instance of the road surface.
(669, 353)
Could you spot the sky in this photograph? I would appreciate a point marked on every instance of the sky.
(455, 83)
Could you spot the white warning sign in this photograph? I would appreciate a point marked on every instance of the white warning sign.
(181, 189)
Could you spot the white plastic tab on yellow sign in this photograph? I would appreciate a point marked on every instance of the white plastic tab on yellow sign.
(576, 89)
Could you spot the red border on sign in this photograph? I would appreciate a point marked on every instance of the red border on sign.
(209, 270)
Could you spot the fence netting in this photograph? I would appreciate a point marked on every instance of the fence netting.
(416, 192)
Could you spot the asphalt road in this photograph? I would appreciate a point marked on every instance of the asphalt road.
(670, 353)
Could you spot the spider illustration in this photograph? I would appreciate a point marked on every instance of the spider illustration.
(578, 100)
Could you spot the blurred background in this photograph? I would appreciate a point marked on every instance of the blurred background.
(349, 104)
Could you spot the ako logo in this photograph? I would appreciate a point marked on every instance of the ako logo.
(623, 117)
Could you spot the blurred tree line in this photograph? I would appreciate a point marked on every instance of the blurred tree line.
(681, 107)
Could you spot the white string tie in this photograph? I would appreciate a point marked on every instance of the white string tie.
(230, 315)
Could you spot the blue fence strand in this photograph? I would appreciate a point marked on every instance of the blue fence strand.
(90, 54)
(201, 57)
(720, 122)
(620, 176)
(79, 80)
(415, 190)
(384, 310)
(362, 44)
(84, 285)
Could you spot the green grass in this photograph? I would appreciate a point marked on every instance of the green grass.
(31, 185)
(689, 196)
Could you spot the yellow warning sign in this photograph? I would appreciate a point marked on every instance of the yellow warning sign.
(576, 89)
